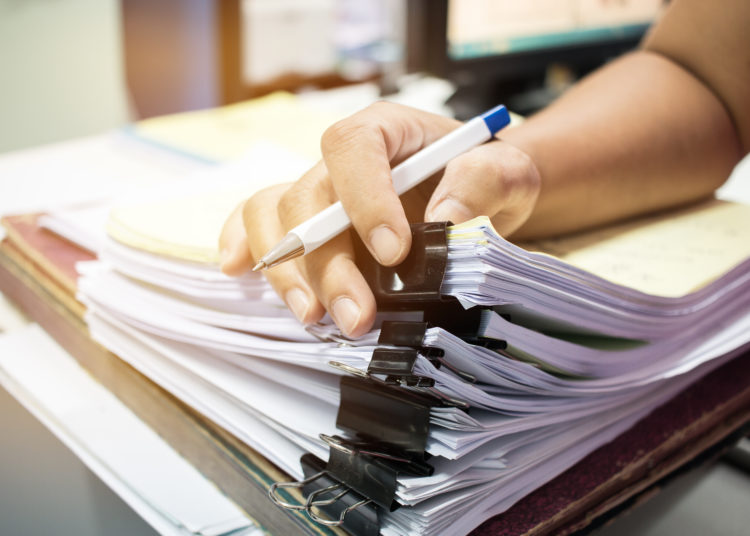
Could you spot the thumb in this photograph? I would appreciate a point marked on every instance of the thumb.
(495, 179)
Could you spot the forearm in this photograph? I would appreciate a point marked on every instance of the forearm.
(641, 134)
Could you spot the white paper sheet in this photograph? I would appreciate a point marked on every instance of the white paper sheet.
(135, 462)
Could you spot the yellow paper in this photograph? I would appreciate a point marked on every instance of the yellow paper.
(186, 229)
(184, 221)
(670, 254)
(226, 133)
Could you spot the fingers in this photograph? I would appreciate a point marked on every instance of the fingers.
(327, 279)
(495, 179)
(341, 287)
(265, 229)
(252, 229)
(330, 270)
(359, 152)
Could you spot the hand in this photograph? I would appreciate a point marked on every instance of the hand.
(494, 179)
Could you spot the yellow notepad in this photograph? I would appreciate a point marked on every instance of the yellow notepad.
(226, 133)
(669, 254)
(184, 221)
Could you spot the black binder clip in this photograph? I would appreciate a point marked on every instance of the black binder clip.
(382, 414)
(358, 482)
(414, 283)
(388, 428)
(397, 364)
(385, 410)
(329, 502)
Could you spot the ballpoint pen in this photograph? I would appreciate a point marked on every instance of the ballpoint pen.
(333, 220)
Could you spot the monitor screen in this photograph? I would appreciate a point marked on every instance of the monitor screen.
(481, 28)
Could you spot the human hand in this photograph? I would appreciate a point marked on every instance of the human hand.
(495, 179)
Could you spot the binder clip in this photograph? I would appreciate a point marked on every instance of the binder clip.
(414, 283)
(397, 365)
(389, 427)
(382, 414)
(328, 501)
(385, 410)
(354, 487)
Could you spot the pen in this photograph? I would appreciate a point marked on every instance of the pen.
(332, 221)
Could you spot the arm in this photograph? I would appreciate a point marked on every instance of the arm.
(659, 127)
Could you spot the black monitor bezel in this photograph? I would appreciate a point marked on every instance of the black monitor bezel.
(427, 50)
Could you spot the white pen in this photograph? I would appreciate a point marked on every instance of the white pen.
(332, 221)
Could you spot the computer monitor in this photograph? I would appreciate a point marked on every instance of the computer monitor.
(502, 50)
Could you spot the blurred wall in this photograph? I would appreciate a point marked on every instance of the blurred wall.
(173, 54)
(61, 70)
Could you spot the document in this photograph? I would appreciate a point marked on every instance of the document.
(226, 133)
(652, 254)
(558, 296)
(170, 494)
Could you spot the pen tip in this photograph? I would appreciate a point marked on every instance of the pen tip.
(260, 266)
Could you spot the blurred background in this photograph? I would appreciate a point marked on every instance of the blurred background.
(75, 67)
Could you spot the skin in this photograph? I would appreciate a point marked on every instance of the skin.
(659, 127)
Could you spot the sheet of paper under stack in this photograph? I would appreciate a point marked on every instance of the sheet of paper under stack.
(599, 329)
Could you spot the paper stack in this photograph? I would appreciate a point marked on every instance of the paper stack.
(597, 336)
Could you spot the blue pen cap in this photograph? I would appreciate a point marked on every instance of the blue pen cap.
(496, 119)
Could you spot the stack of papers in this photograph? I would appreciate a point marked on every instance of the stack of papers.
(525, 425)
(647, 279)
(597, 337)
(621, 299)
(601, 328)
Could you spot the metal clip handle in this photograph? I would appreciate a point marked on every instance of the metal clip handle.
(300, 484)
(313, 502)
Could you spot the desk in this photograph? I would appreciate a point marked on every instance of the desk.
(47, 298)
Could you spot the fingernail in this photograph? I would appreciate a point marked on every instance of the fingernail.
(298, 302)
(385, 244)
(346, 313)
(450, 210)
(224, 256)
(229, 259)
